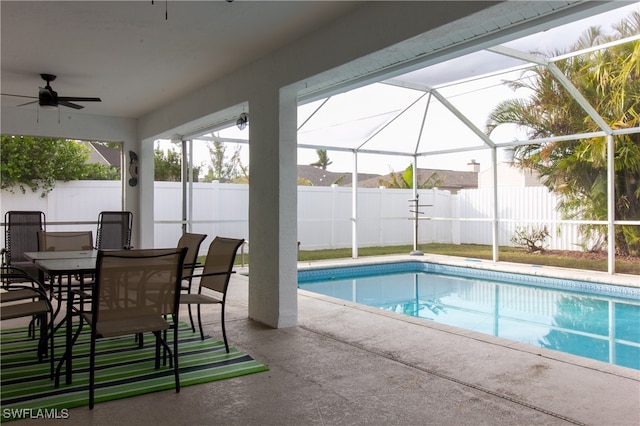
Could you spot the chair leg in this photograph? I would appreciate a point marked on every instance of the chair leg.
(31, 329)
(42, 341)
(176, 370)
(157, 334)
(68, 350)
(160, 341)
(92, 367)
(193, 326)
(52, 346)
(140, 339)
(224, 331)
(164, 349)
(200, 323)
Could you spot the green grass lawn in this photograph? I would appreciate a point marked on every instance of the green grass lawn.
(576, 260)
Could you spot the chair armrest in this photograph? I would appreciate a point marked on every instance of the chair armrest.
(210, 274)
(12, 276)
(30, 293)
(192, 265)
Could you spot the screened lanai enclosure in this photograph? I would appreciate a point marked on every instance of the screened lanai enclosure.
(562, 104)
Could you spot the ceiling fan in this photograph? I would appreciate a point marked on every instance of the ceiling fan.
(47, 97)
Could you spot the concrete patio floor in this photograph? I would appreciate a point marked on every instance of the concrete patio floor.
(346, 364)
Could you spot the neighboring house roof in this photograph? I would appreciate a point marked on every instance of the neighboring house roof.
(104, 155)
(448, 180)
(319, 177)
(509, 174)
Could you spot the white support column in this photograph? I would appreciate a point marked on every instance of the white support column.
(494, 167)
(145, 188)
(190, 187)
(611, 206)
(354, 207)
(273, 279)
(131, 196)
(187, 187)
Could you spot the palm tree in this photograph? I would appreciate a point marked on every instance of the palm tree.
(323, 159)
(405, 180)
(610, 80)
(223, 168)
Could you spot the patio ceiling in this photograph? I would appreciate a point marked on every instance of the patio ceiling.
(128, 54)
(135, 60)
(425, 91)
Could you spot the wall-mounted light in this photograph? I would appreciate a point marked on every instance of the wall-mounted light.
(133, 168)
(242, 121)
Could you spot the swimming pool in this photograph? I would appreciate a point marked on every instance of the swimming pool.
(591, 320)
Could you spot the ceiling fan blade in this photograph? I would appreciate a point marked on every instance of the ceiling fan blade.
(19, 96)
(77, 99)
(28, 103)
(69, 104)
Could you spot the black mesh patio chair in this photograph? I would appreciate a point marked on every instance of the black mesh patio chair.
(114, 230)
(12, 275)
(24, 297)
(62, 241)
(65, 241)
(21, 235)
(214, 279)
(136, 291)
(192, 242)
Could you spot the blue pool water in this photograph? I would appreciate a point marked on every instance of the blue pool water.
(591, 320)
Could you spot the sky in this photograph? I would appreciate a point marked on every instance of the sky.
(348, 119)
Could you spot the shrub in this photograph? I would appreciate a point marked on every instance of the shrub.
(533, 239)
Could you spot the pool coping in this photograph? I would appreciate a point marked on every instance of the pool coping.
(507, 267)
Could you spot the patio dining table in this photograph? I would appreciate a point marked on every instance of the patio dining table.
(65, 263)
(61, 254)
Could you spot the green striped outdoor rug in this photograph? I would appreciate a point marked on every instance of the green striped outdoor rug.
(122, 370)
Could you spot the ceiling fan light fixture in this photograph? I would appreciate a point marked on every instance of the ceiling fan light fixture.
(47, 97)
(242, 121)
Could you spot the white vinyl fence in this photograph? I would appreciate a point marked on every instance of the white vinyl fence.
(324, 213)
(517, 207)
